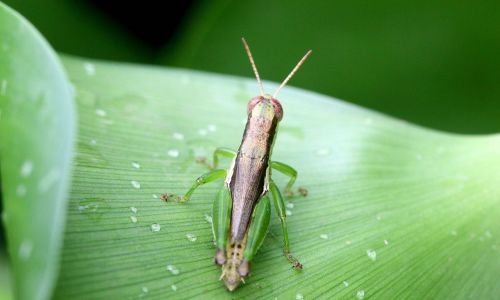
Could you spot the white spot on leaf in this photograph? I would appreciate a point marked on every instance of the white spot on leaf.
(173, 269)
(173, 153)
(155, 227)
(26, 168)
(136, 184)
(89, 69)
(371, 254)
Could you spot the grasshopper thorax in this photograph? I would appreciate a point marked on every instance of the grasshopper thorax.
(266, 101)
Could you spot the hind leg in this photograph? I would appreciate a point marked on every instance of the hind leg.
(279, 204)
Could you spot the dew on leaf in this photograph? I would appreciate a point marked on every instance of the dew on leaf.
(191, 237)
(89, 69)
(101, 112)
(155, 227)
(136, 184)
(26, 168)
(371, 254)
(173, 269)
(178, 136)
(173, 153)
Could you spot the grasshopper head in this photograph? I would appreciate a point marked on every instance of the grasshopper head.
(263, 101)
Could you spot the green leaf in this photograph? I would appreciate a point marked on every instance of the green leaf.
(36, 133)
(393, 210)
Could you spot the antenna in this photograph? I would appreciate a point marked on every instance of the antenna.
(247, 49)
(292, 73)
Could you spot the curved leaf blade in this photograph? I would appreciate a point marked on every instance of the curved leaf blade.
(36, 135)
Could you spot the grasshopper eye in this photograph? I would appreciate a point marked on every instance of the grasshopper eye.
(278, 110)
(251, 104)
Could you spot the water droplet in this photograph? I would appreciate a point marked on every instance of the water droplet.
(371, 254)
(290, 205)
(89, 69)
(208, 219)
(101, 112)
(155, 227)
(136, 184)
(133, 219)
(51, 178)
(379, 217)
(155, 196)
(3, 87)
(323, 152)
(360, 294)
(346, 284)
(136, 165)
(368, 121)
(453, 232)
(173, 287)
(133, 209)
(386, 242)
(323, 236)
(173, 153)
(178, 136)
(26, 168)
(93, 142)
(191, 237)
(145, 289)
(288, 212)
(25, 249)
(299, 296)
(348, 242)
(173, 270)
(21, 190)
(91, 207)
(212, 128)
(202, 132)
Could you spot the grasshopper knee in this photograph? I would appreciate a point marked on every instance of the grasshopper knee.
(244, 268)
(220, 257)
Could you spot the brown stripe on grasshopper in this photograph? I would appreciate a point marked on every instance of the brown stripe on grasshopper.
(251, 164)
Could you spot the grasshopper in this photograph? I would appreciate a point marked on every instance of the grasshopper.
(242, 208)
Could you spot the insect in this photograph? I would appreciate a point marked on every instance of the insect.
(242, 208)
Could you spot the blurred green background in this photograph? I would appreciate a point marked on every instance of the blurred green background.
(434, 63)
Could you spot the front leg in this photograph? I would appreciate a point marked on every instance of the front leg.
(287, 170)
(205, 178)
(226, 152)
